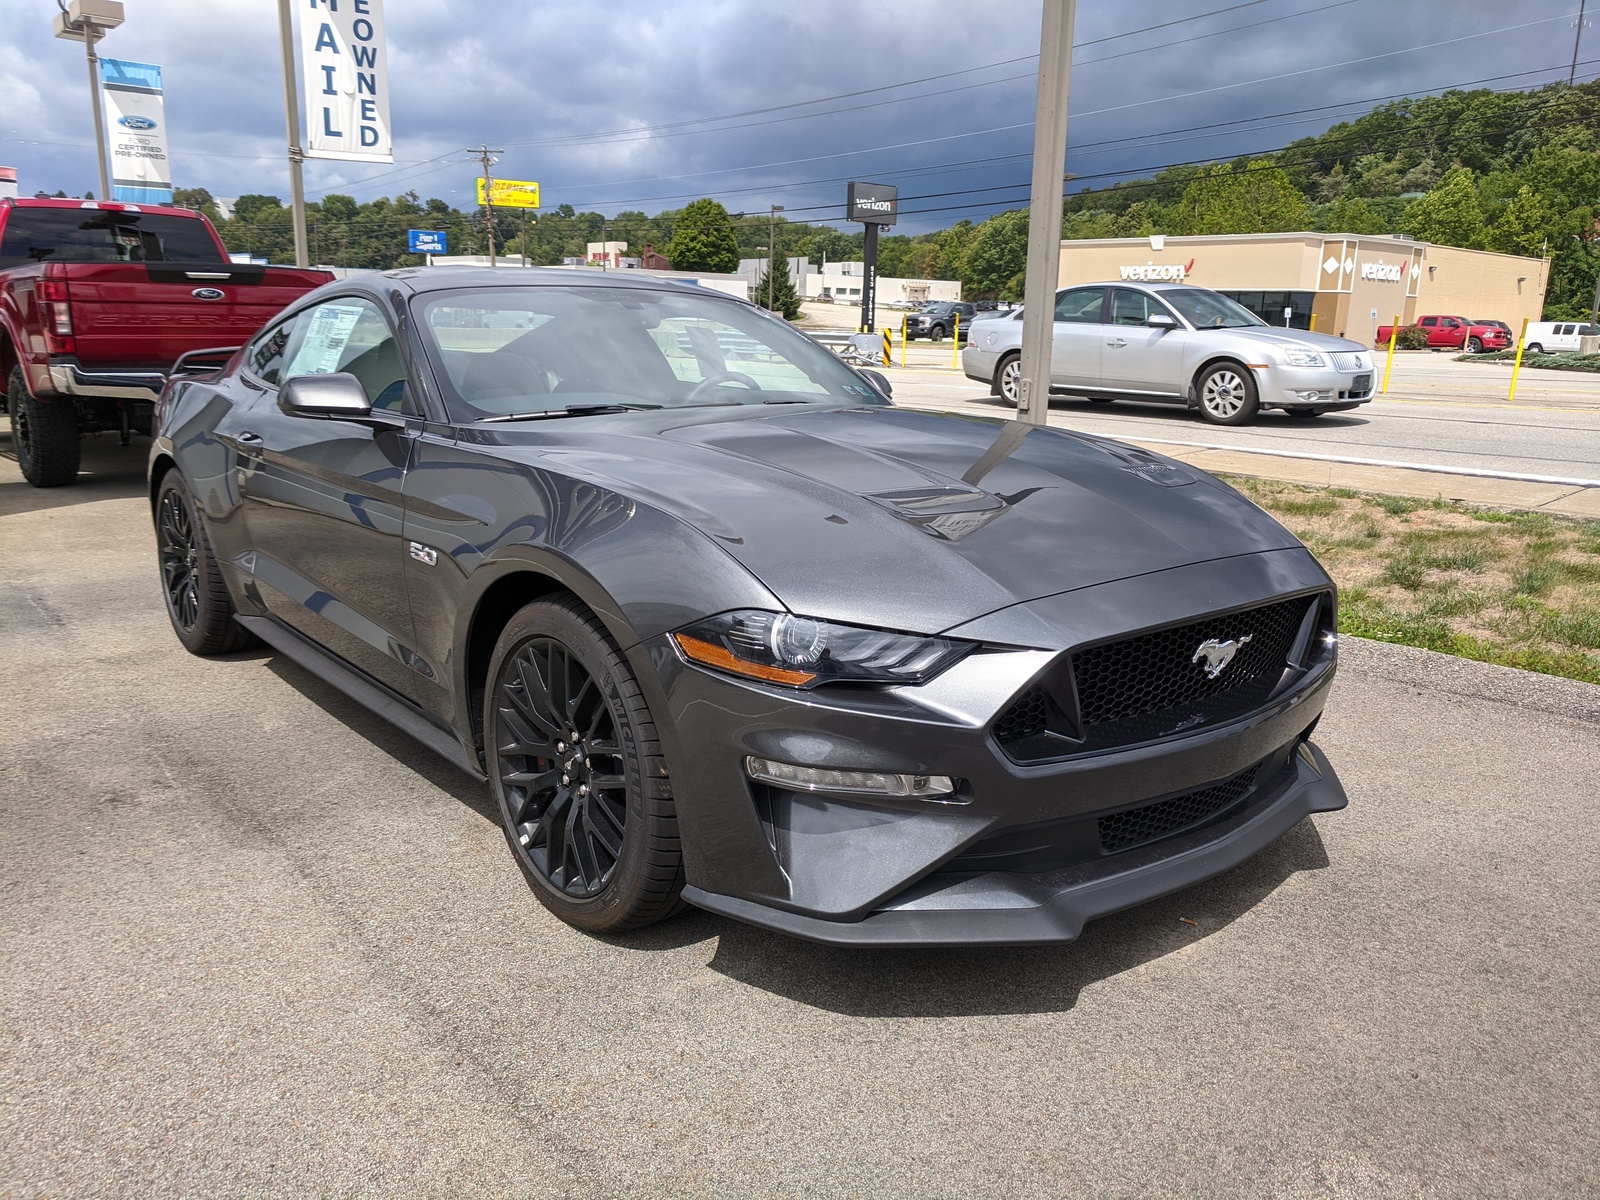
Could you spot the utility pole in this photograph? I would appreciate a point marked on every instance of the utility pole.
(1044, 215)
(486, 156)
(291, 116)
(772, 248)
(89, 21)
(1572, 74)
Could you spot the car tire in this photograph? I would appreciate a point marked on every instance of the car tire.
(936, 333)
(45, 436)
(1474, 346)
(1226, 394)
(1534, 348)
(1008, 379)
(197, 599)
(591, 820)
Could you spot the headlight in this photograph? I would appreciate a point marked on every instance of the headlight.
(1304, 358)
(803, 652)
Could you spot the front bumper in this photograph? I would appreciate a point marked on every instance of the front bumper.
(1315, 387)
(1002, 909)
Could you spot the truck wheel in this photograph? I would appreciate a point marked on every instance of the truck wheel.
(198, 604)
(1534, 348)
(1008, 378)
(1227, 394)
(45, 436)
(936, 333)
(1474, 346)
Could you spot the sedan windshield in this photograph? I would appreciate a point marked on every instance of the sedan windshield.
(508, 351)
(1208, 310)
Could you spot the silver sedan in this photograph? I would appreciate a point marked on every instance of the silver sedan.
(1179, 345)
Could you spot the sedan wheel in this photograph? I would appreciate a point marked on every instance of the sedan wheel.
(198, 604)
(584, 798)
(1227, 395)
(1009, 381)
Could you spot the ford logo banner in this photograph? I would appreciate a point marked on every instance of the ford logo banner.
(136, 122)
(207, 293)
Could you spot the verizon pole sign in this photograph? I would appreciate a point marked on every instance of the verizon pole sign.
(873, 203)
(344, 67)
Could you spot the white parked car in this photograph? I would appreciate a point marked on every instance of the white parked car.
(1179, 345)
(1558, 337)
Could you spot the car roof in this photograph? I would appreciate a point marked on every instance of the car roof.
(449, 278)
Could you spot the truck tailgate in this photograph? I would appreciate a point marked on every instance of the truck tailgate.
(147, 314)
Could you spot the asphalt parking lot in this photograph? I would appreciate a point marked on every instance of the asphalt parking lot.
(257, 942)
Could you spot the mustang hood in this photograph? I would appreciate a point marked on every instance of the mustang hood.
(914, 520)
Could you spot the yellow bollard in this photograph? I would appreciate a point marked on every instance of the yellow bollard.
(888, 347)
(1516, 367)
(1394, 332)
(955, 346)
(902, 339)
(1313, 322)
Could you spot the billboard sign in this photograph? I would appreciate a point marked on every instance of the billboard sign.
(344, 65)
(136, 124)
(873, 203)
(511, 193)
(427, 241)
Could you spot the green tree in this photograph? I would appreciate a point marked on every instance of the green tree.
(785, 300)
(198, 199)
(832, 245)
(997, 254)
(1526, 225)
(1449, 215)
(1228, 198)
(704, 239)
(1350, 214)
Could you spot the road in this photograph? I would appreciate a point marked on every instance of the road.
(259, 943)
(1439, 412)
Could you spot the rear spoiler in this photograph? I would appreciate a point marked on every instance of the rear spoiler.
(202, 362)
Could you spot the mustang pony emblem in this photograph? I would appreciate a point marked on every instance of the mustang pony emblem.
(1218, 654)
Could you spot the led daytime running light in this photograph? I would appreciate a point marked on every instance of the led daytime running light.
(860, 783)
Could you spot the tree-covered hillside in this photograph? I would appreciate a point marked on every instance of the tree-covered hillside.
(1517, 172)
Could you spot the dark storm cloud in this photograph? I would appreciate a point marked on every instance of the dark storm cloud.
(557, 85)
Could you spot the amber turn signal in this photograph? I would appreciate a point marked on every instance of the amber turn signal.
(715, 656)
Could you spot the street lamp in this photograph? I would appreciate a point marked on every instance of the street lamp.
(772, 248)
(88, 21)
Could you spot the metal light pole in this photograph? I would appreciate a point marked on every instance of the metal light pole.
(88, 21)
(291, 116)
(772, 248)
(1044, 214)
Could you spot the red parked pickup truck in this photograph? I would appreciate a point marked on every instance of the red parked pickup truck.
(99, 302)
(1455, 333)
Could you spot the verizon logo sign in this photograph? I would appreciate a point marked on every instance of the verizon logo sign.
(1153, 272)
(1381, 271)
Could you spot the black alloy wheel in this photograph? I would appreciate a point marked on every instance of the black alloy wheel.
(198, 604)
(45, 436)
(584, 799)
(936, 333)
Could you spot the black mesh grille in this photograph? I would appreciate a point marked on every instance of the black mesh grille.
(1124, 829)
(1156, 671)
(1024, 718)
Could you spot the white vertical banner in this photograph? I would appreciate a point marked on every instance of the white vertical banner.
(136, 124)
(344, 66)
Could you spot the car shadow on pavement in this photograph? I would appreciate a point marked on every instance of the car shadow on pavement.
(999, 981)
(1175, 415)
(108, 471)
(398, 745)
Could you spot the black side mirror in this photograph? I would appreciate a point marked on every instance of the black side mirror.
(879, 380)
(338, 395)
(1157, 320)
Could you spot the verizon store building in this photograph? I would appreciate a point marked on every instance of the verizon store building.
(1347, 284)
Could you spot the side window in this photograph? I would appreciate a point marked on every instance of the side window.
(265, 356)
(1080, 306)
(1429, 322)
(1130, 307)
(350, 334)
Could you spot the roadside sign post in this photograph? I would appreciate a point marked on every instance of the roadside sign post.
(1516, 367)
(1044, 208)
(873, 205)
(1394, 332)
(89, 21)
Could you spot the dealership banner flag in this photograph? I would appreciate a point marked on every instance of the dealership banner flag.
(136, 121)
(344, 66)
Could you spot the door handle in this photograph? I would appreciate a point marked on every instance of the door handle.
(1117, 342)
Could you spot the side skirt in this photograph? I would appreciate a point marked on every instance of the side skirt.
(395, 709)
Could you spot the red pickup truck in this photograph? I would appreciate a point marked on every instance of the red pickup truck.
(1455, 333)
(99, 302)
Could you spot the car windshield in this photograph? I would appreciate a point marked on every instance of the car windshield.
(1208, 310)
(507, 351)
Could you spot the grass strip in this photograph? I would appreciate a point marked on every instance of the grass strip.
(1517, 588)
(1548, 362)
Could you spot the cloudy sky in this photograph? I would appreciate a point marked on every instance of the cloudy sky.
(631, 104)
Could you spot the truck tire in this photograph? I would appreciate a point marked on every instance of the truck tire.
(45, 436)
(1474, 346)
(936, 333)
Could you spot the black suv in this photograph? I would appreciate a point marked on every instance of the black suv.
(939, 321)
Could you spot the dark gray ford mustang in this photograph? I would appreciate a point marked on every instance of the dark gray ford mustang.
(722, 625)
